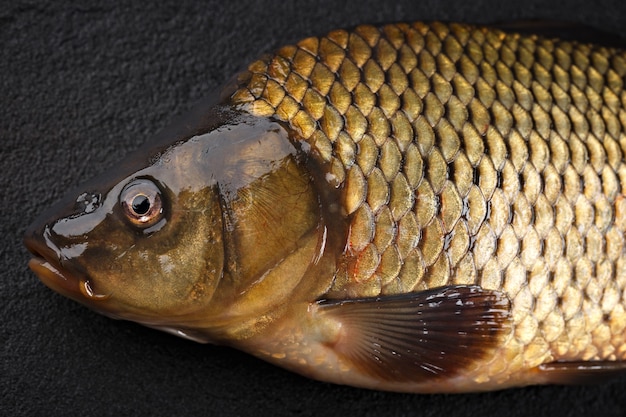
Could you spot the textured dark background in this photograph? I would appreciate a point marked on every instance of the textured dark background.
(80, 86)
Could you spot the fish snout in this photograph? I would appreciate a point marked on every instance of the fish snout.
(56, 240)
(64, 226)
(46, 263)
(37, 244)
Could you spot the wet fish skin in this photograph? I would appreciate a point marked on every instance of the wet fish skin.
(387, 203)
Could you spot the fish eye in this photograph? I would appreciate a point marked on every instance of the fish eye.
(141, 203)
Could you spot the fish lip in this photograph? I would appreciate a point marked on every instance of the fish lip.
(48, 268)
(55, 278)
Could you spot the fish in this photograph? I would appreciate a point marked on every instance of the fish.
(412, 207)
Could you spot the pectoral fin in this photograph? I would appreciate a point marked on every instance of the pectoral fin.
(428, 334)
(575, 373)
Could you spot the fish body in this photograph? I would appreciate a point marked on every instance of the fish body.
(412, 207)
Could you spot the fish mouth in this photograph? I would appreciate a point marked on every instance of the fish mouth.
(60, 279)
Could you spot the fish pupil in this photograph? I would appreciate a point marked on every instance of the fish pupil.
(141, 204)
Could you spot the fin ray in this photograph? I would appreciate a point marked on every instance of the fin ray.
(432, 333)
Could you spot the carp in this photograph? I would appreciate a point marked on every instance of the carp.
(421, 207)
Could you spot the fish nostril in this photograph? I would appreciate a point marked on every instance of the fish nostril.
(87, 202)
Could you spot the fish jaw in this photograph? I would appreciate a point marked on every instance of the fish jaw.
(61, 282)
(79, 289)
(47, 265)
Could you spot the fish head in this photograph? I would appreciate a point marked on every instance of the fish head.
(159, 239)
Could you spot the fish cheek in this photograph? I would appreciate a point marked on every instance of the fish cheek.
(170, 272)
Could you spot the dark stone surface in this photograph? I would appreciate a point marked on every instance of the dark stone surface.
(82, 85)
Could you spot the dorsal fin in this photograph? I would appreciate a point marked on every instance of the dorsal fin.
(567, 31)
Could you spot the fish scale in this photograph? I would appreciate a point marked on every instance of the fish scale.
(467, 155)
